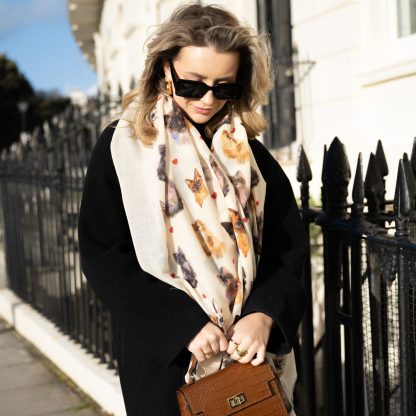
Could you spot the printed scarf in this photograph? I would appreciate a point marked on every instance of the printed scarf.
(195, 213)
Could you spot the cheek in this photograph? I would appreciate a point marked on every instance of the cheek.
(182, 102)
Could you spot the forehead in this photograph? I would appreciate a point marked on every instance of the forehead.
(207, 61)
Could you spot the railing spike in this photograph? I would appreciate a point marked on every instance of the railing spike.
(303, 172)
(323, 163)
(413, 157)
(323, 196)
(336, 177)
(337, 167)
(412, 191)
(358, 189)
(409, 173)
(402, 202)
(381, 159)
(373, 187)
(303, 175)
(384, 171)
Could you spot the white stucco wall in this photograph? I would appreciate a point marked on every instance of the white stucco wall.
(363, 84)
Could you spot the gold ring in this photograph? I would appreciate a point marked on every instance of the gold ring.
(241, 353)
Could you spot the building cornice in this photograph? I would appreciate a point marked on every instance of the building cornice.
(84, 17)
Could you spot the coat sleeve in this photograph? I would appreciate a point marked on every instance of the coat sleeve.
(163, 318)
(276, 290)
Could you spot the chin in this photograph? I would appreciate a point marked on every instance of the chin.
(200, 118)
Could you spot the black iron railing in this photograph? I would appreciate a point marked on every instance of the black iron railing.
(369, 277)
(41, 182)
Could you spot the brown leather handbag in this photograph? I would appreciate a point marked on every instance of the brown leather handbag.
(238, 390)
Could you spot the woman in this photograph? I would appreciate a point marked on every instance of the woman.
(188, 230)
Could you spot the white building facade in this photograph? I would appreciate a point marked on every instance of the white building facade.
(363, 83)
(120, 32)
(355, 68)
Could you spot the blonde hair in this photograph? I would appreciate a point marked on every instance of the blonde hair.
(196, 25)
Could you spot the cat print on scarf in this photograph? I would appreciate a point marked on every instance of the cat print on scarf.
(212, 245)
(233, 287)
(240, 185)
(187, 270)
(239, 232)
(234, 149)
(173, 202)
(198, 188)
(220, 176)
(254, 179)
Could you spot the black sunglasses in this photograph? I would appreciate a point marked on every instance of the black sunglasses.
(197, 89)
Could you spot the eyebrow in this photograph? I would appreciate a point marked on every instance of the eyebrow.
(195, 74)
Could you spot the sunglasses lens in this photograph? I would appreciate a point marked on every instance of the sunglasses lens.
(195, 89)
(227, 91)
(190, 89)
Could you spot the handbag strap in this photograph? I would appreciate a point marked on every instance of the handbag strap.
(192, 369)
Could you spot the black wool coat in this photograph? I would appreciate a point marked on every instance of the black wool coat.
(153, 321)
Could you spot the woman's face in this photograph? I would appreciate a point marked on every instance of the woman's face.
(207, 65)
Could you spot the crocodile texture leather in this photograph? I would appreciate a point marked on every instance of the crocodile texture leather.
(240, 390)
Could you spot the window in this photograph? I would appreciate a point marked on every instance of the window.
(274, 18)
(406, 17)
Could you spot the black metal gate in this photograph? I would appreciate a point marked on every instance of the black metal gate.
(369, 279)
(41, 182)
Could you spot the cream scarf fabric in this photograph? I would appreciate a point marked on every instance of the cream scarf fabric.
(195, 214)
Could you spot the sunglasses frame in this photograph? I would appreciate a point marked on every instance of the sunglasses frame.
(179, 84)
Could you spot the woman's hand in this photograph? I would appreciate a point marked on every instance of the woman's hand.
(251, 333)
(209, 341)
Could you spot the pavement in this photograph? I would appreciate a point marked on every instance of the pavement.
(31, 386)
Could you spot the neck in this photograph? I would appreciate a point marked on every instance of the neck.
(201, 129)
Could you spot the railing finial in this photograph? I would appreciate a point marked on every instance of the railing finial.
(402, 202)
(413, 157)
(381, 159)
(323, 196)
(358, 190)
(373, 187)
(384, 171)
(336, 176)
(303, 175)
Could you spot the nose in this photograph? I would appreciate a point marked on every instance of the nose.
(208, 98)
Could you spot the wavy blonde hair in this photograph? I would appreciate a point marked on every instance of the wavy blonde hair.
(196, 25)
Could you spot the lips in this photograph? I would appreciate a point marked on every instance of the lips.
(202, 110)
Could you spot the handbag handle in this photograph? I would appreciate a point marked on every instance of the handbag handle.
(194, 366)
(192, 370)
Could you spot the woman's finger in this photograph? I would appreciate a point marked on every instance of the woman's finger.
(199, 354)
(208, 353)
(218, 343)
(261, 356)
(216, 346)
(214, 350)
(244, 353)
(223, 344)
(232, 346)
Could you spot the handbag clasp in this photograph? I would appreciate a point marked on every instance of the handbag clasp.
(237, 400)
